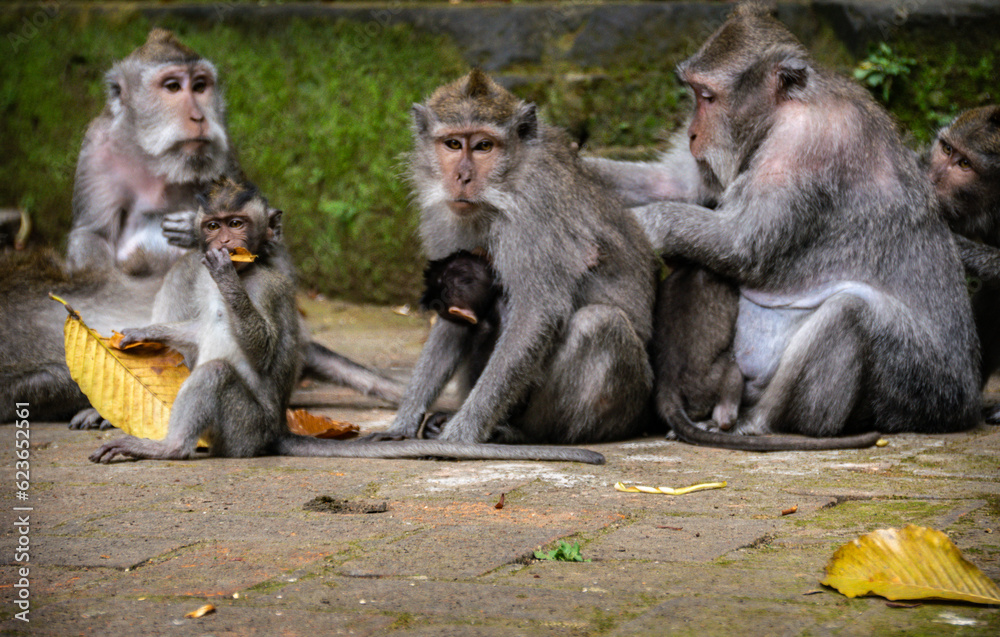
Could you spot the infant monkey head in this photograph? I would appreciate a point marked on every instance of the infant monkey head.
(460, 288)
(236, 215)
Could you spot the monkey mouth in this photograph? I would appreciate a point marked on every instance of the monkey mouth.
(462, 206)
(195, 144)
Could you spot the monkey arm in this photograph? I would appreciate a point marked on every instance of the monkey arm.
(181, 336)
(710, 238)
(439, 359)
(257, 336)
(979, 259)
(640, 183)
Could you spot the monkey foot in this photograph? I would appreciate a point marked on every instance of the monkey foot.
(89, 419)
(109, 450)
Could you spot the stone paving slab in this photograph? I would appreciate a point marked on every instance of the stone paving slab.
(131, 547)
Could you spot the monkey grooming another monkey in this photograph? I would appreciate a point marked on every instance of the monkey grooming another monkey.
(964, 168)
(853, 312)
(570, 363)
(160, 141)
(237, 327)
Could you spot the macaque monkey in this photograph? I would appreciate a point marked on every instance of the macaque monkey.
(159, 142)
(964, 168)
(694, 326)
(570, 362)
(853, 313)
(236, 325)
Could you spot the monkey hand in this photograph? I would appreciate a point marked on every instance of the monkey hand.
(178, 228)
(219, 263)
(133, 335)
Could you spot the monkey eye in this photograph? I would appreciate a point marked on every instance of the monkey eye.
(452, 144)
(964, 164)
(199, 85)
(485, 145)
(172, 85)
(212, 225)
(706, 95)
(235, 223)
(946, 148)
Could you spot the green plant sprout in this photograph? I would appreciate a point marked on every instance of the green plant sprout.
(881, 67)
(562, 553)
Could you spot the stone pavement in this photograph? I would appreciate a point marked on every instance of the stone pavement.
(132, 547)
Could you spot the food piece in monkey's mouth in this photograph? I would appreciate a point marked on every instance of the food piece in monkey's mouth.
(242, 255)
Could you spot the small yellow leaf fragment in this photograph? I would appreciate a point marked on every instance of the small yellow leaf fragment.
(881, 442)
(912, 563)
(626, 488)
(201, 612)
(242, 255)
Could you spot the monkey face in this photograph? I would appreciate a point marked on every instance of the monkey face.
(228, 231)
(179, 121)
(467, 158)
(951, 171)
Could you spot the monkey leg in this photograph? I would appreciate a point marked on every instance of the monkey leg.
(213, 402)
(596, 386)
(817, 384)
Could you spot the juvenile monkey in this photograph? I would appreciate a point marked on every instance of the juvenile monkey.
(237, 327)
(570, 363)
(694, 327)
(964, 168)
(853, 313)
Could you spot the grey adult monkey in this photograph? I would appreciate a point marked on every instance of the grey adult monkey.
(570, 364)
(853, 313)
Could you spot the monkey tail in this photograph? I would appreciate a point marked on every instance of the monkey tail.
(295, 445)
(690, 433)
(328, 366)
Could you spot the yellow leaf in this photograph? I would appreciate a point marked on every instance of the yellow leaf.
(305, 423)
(912, 563)
(201, 612)
(132, 391)
(621, 486)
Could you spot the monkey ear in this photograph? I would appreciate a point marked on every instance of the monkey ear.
(994, 117)
(792, 76)
(116, 90)
(526, 122)
(423, 119)
(274, 220)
